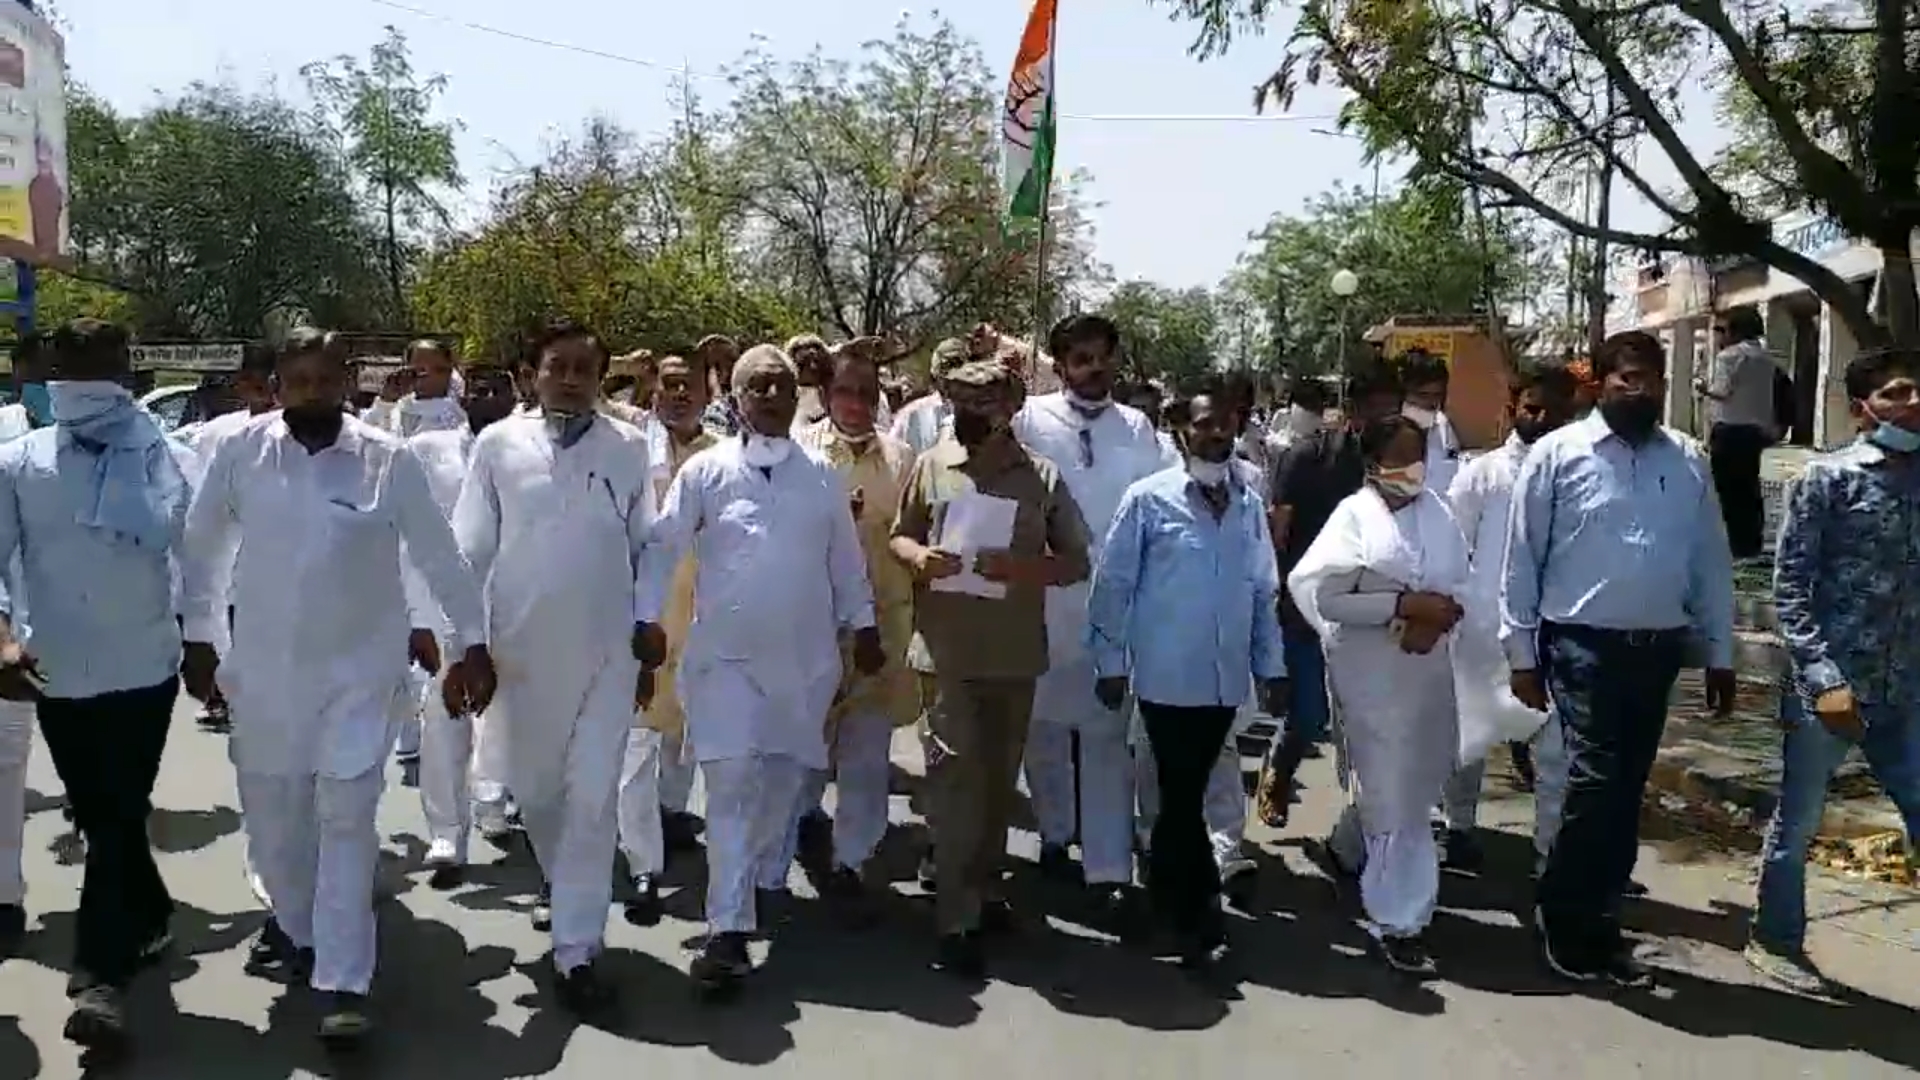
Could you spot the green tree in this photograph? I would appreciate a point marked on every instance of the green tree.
(568, 237)
(1507, 94)
(215, 212)
(1165, 333)
(1414, 253)
(385, 113)
(874, 189)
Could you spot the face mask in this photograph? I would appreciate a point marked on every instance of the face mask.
(1206, 473)
(1893, 438)
(75, 403)
(1302, 421)
(1633, 417)
(38, 403)
(971, 429)
(1426, 418)
(764, 452)
(1404, 482)
(313, 423)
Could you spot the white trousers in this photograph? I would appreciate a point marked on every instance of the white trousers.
(315, 846)
(574, 832)
(1399, 873)
(639, 806)
(423, 684)
(16, 745)
(1106, 794)
(1549, 786)
(458, 764)
(1225, 808)
(1460, 801)
(862, 752)
(750, 811)
(676, 774)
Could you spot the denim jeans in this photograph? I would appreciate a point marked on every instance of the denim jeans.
(1810, 754)
(1610, 690)
(1307, 712)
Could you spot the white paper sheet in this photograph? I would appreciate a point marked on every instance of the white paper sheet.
(975, 523)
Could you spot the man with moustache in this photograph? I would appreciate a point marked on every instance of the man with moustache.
(317, 505)
(460, 767)
(657, 776)
(779, 578)
(987, 651)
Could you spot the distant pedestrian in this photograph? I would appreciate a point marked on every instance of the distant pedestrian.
(1739, 390)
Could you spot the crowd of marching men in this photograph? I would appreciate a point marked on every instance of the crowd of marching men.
(758, 568)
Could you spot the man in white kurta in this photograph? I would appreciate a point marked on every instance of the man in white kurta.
(317, 504)
(16, 717)
(1100, 447)
(552, 520)
(779, 573)
(461, 763)
(1482, 498)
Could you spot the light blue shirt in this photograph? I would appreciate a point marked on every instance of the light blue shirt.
(102, 607)
(1617, 537)
(1183, 604)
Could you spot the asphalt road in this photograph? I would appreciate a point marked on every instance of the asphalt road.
(462, 991)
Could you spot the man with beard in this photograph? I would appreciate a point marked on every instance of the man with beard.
(1100, 447)
(552, 517)
(1616, 559)
(867, 709)
(1481, 496)
(460, 769)
(657, 779)
(987, 650)
(1182, 614)
(317, 505)
(778, 579)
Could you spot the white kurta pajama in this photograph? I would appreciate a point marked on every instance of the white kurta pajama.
(317, 677)
(554, 534)
(16, 717)
(779, 574)
(1098, 456)
(1481, 496)
(461, 760)
(1395, 709)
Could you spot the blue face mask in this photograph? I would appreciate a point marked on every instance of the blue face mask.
(1894, 439)
(38, 403)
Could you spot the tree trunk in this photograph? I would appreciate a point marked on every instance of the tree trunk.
(1597, 271)
(1899, 309)
(393, 260)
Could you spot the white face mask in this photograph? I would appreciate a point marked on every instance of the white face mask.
(1207, 473)
(764, 452)
(1426, 418)
(1406, 482)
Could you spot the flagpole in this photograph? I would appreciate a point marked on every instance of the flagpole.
(1041, 316)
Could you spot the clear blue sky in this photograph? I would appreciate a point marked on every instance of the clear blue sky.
(1177, 198)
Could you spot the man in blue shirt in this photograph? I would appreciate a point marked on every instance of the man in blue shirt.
(1616, 561)
(1846, 573)
(94, 506)
(1181, 612)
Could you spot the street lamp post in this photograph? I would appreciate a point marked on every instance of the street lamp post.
(1343, 285)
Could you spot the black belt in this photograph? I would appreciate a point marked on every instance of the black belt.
(1633, 639)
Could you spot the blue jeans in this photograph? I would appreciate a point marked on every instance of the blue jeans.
(1810, 755)
(1307, 713)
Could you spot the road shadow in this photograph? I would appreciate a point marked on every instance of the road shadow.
(196, 933)
(19, 1057)
(1483, 940)
(177, 832)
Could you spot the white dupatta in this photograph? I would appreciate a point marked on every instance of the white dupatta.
(1362, 536)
